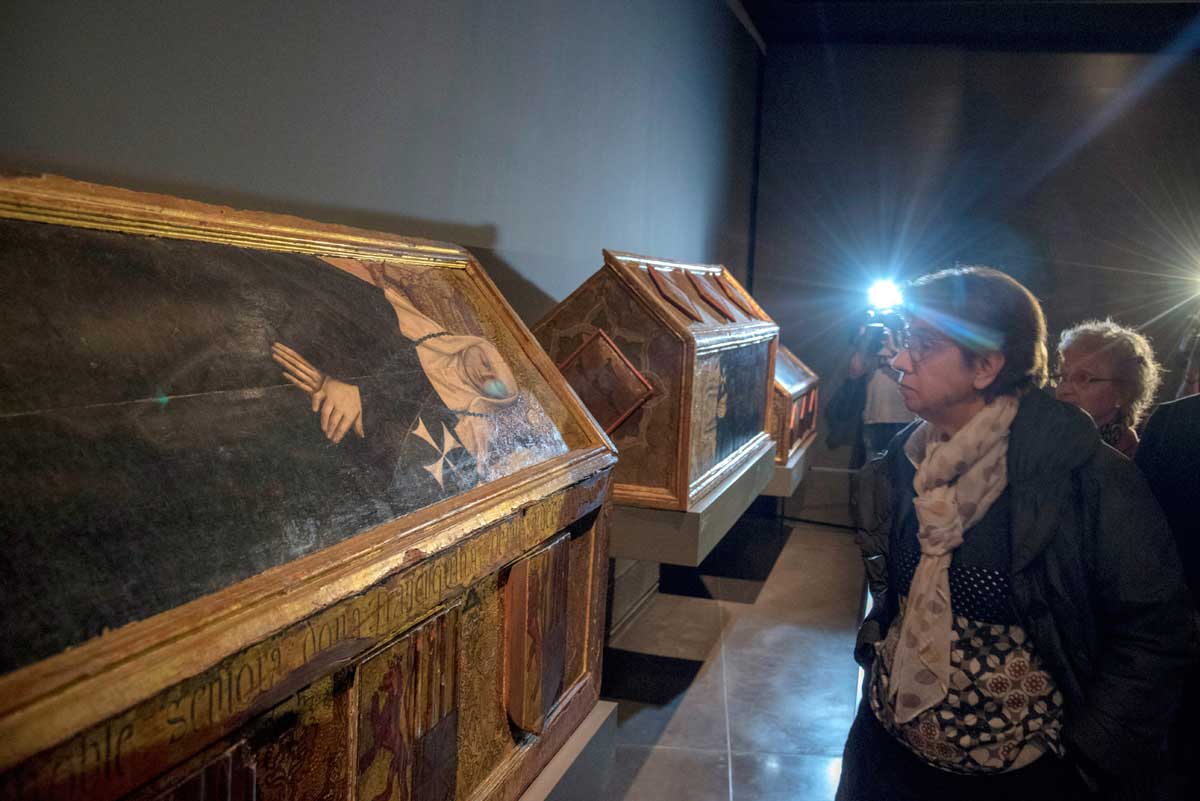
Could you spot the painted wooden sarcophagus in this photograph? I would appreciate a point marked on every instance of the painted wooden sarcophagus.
(289, 511)
(793, 404)
(675, 361)
(793, 420)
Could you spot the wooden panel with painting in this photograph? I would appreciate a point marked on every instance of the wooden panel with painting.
(793, 419)
(264, 486)
(675, 360)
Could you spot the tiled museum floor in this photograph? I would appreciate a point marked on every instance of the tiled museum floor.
(741, 686)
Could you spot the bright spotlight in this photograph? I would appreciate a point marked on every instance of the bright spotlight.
(884, 295)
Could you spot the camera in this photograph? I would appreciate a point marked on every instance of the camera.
(875, 332)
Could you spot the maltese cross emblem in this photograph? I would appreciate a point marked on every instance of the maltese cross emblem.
(441, 463)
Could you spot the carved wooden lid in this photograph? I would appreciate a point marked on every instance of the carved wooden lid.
(792, 376)
(703, 299)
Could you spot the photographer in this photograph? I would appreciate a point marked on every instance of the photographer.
(884, 413)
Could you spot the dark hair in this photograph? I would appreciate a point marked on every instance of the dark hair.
(983, 310)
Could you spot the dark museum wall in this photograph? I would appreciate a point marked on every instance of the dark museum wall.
(1078, 173)
(533, 133)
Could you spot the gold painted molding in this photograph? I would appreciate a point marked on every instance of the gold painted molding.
(750, 451)
(62, 201)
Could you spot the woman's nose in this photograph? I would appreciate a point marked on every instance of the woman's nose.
(902, 361)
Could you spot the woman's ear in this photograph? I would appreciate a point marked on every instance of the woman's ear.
(987, 367)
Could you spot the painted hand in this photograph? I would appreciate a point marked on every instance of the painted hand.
(297, 369)
(340, 407)
(339, 403)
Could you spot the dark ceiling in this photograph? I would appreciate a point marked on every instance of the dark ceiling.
(1000, 24)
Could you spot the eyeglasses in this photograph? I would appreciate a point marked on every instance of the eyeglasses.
(1079, 379)
(920, 344)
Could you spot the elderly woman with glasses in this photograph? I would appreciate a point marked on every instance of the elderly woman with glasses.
(1109, 371)
(1030, 631)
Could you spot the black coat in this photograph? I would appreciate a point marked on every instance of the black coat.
(1169, 457)
(1096, 580)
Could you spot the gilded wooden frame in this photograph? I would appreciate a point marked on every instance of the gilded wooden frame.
(79, 711)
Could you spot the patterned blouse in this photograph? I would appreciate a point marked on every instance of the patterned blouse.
(1002, 710)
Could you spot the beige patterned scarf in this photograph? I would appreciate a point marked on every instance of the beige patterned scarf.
(957, 479)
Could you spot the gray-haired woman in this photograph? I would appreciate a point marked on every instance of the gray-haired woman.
(1109, 371)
